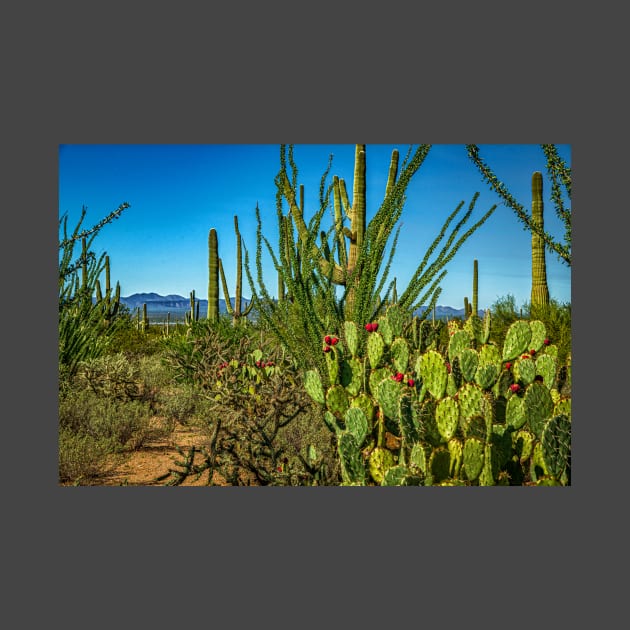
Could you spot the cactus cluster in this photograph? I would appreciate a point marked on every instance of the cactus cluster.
(407, 414)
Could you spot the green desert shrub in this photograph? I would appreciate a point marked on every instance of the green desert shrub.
(83, 457)
(86, 412)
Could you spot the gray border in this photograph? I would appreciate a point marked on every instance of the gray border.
(225, 78)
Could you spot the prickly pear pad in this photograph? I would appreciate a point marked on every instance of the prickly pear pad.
(432, 369)
(473, 458)
(517, 340)
(447, 417)
(313, 386)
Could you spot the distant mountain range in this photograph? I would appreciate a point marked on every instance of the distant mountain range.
(178, 305)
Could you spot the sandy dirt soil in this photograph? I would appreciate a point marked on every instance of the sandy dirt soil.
(157, 456)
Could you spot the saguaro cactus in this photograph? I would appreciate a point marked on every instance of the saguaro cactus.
(344, 272)
(236, 312)
(213, 276)
(540, 290)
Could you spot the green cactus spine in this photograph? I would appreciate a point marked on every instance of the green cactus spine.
(540, 290)
(213, 276)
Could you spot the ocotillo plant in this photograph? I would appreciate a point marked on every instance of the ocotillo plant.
(236, 312)
(559, 174)
(81, 332)
(213, 276)
(540, 290)
(354, 258)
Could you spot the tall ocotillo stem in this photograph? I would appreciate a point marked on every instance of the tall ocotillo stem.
(540, 290)
(213, 276)
(475, 292)
(84, 267)
(236, 312)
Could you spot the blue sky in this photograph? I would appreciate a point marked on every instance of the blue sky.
(177, 193)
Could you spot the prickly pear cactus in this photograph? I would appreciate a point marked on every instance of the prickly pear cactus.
(432, 369)
(388, 394)
(514, 414)
(459, 340)
(352, 468)
(473, 454)
(399, 352)
(547, 368)
(352, 337)
(396, 318)
(337, 400)
(356, 424)
(380, 461)
(474, 327)
(517, 340)
(351, 375)
(537, 407)
(525, 370)
(556, 445)
(486, 375)
(468, 361)
(447, 417)
(313, 386)
(440, 464)
(375, 349)
(539, 333)
(385, 329)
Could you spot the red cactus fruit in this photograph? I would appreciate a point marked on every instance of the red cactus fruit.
(368, 327)
(411, 382)
(515, 387)
(448, 367)
(508, 365)
(532, 351)
(374, 326)
(398, 377)
(334, 341)
(327, 339)
(327, 348)
(546, 342)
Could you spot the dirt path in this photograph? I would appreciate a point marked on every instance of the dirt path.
(157, 456)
